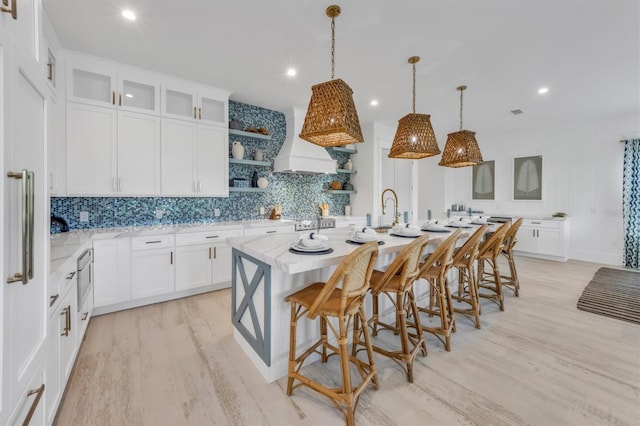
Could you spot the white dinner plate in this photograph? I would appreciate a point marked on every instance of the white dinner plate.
(362, 240)
(309, 249)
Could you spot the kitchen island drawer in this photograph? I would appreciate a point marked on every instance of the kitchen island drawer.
(151, 242)
(543, 223)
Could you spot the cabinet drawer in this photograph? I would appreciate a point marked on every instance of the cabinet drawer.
(268, 230)
(543, 223)
(151, 242)
(207, 237)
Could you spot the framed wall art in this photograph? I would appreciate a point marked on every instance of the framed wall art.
(527, 178)
(483, 182)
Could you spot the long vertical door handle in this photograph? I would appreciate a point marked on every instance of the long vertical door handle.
(24, 275)
(209, 253)
(31, 178)
(215, 253)
(194, 112)
(38, 393)
(120, 99)
(113, 97)
(200, 113)
(13, 10)
(172, 257)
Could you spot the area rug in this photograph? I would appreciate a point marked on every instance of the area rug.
(613, 293)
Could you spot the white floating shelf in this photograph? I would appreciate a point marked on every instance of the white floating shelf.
(249, 135)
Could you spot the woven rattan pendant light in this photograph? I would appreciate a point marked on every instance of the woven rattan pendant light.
(461, 149)
(415, 137)
(332, 119)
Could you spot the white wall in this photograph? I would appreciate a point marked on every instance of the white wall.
(582, 176)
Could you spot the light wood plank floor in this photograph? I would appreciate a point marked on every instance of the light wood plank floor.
(540, 362)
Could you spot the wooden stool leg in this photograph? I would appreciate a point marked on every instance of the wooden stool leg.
(473, 294)
(368, 345)
(496, 276)
(404, 334)
(323, 338)
(347, 390)
(449, 310)
(514, 275)
(444, 317)
(375, 317)
(416, 316)
(292, 348)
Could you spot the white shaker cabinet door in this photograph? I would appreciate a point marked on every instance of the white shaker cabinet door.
(212, 161)
(179, 140)
(92, 134)
(551, 242)
(151, 272)
(221, 263)
(193, 266)
(111, 271)
(138, 154)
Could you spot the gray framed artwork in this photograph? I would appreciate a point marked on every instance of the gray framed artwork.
(527, 178)
(483, 182)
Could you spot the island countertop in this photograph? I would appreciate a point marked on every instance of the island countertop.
(273, 249)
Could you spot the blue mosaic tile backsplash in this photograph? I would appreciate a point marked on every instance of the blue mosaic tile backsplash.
(298, 194)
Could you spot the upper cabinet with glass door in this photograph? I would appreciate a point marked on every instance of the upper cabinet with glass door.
(102, 85)
(195, 103)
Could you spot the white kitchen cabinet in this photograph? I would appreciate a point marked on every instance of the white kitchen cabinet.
(67, 332)
(25, 28)
(194, 159)
(22, 147)
(107, 85)
(203, 258)
(195, 103)
(112, 152)
(33, 398)
(544, 238)
(111, 271)
(152, 265)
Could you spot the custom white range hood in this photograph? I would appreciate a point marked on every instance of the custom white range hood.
(300, 156)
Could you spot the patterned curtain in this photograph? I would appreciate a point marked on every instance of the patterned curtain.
(631, 203)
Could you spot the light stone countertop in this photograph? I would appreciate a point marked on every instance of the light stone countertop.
(273, 249)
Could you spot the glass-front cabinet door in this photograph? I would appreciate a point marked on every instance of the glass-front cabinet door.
(212, 107)
(91, 85)
(138, 93)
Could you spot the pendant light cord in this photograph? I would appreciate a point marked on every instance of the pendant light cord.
(414, 88)
(333, 48)
(461, 90)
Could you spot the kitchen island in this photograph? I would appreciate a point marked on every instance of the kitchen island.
(264, 272)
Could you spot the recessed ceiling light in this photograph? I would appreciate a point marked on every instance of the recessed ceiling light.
(543, 90)
(128, 14)
(374, 102)
(128, 95)
(291, 72)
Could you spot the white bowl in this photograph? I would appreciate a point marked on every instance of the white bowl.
(310, 243)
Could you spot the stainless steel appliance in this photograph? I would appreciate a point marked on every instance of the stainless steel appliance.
(315, 224)
(84, 278)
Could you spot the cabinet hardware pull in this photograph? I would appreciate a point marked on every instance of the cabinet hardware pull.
(13, 10)
(119, 184)
(38, 392)
(153, 242)
(215, 253)
(114, 187)
(212, 236)
(113, 97)
(120, 99)
(67, 320)
(50, 71)
(271, 232)
(84, 317)
(172, 258)
(194, 112)
(200, 113)
(71, 275)
(28, 179)
(199, 186)
(209, 253)
(52, 299)
(536, 223)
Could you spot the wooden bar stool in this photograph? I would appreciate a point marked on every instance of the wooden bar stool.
(511, 281)
(396, 283)
(488, 253)
(340, 298)
(464, 259)
(434, 269)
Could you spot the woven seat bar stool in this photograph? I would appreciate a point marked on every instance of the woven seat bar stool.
(396, 283)
(464, 259)
(338, 300)
(511, 281)
(434, 269)
(488, 254)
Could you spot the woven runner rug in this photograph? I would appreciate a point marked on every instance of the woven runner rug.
(613, 293)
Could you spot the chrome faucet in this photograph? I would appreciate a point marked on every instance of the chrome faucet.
(396, 215)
